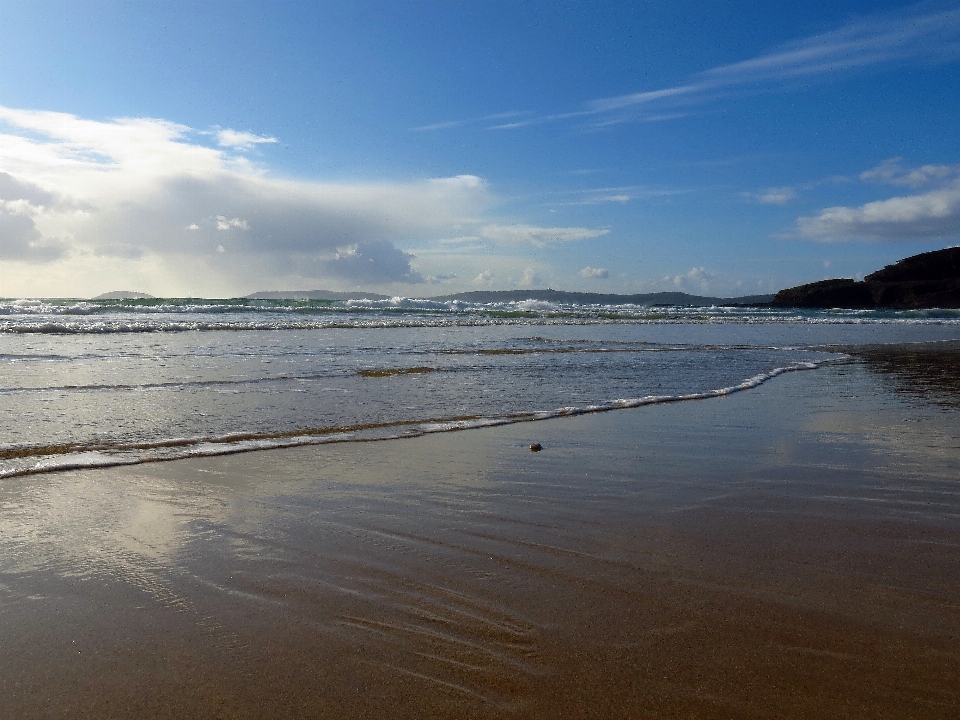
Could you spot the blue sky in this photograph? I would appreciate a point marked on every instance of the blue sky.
(423, 148)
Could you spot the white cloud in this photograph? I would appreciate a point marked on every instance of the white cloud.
(773, 196)
(530, 278)
(463, 240)
(22, 241)
(439, 126)
(892, 173)
(12, 190)
(697, 280)
(224, 224)
(457, 123)
(920, 33)
(617, 194)
(485, 278)
(597, 273)
(241, 140)
(932, 35)
(600, 199)
(21, 204)
(140, 188)
(538, 236)
(933, 215)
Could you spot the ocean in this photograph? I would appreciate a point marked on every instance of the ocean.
(117, 382)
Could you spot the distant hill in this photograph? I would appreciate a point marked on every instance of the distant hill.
(314, 295)
(556, 296)
(589, 298)
(928, 280)
(124, 295)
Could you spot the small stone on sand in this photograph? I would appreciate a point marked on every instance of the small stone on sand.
(536, 447)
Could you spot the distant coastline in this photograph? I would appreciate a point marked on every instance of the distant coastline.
(927, 280)
(544, 295)
(124, 295)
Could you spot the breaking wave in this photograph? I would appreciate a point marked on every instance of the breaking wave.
(191, 315)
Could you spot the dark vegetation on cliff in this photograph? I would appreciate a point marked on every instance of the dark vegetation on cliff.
(928, 280)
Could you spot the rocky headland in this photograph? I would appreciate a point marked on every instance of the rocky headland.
(928, 280)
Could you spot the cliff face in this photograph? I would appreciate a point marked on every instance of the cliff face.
(928, 280)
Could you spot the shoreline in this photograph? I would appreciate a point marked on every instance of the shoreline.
(789, 551)
(237, 443)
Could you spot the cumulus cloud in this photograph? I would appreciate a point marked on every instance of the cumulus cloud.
(930, 215)
(20, 204)
(530, 278)
(773, 196)
(597, 273)
(485, 278)
(372, 262)
(12, 190)
(224, 224)
(538, 236)
(141, 187)
(933, 215)
(697, 280)
(241, 140)
(20, 240)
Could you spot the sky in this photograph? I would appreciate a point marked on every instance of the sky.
(215, 149)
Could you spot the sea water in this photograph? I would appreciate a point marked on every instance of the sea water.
(100, 383)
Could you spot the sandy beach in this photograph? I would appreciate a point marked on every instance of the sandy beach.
(791, 551)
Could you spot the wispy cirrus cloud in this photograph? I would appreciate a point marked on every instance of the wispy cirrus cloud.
(538, 236)
(922, 32)
(471, 121)
(917, 34)
(604, 195)
(772, 196)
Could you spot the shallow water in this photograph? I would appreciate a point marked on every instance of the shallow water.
(786, 552)
(121, 382)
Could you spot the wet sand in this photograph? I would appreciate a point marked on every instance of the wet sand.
(791, 551)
